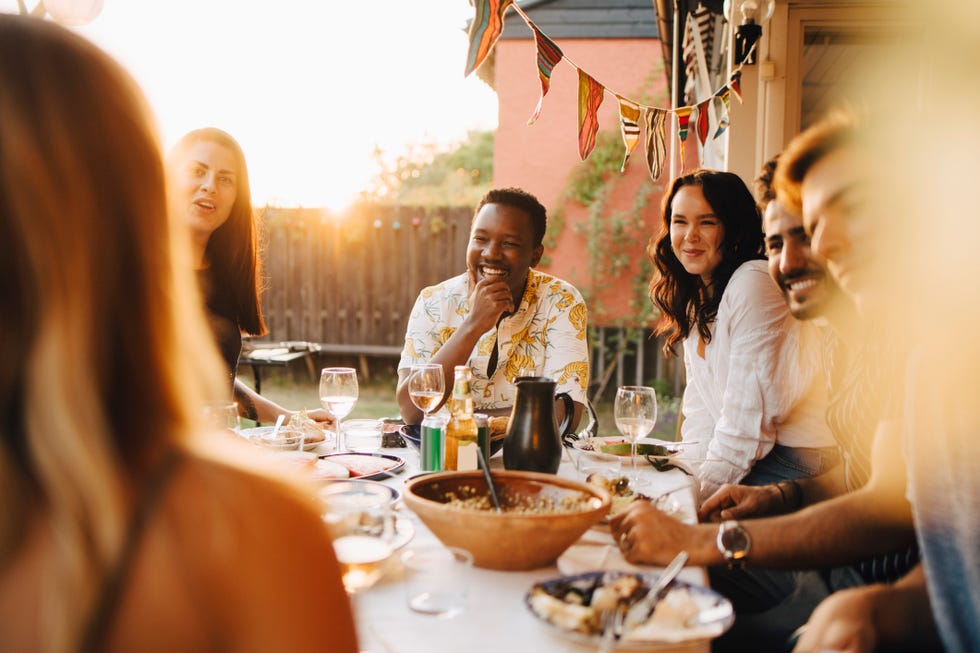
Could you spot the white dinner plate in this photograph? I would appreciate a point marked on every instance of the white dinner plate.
(713, 614)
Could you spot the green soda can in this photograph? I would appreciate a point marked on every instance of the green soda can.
(483, 434)
(433, 434)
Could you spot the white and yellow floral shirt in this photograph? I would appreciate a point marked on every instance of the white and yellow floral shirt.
(547, 334)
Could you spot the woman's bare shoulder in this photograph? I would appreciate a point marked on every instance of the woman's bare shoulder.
(263, 553)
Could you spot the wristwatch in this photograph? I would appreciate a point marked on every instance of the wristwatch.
(734, 543)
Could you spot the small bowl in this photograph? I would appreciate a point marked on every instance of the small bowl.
(412, 434)
(508, 540)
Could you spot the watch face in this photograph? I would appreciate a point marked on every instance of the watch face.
(733, 541)
(736, 540)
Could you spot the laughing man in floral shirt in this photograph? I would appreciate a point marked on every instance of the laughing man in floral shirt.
(501, 317)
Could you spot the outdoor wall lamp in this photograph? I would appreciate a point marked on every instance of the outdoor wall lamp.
(750, 16)
(66, 12)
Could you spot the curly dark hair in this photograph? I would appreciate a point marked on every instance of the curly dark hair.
(523, 200)
(683, 298)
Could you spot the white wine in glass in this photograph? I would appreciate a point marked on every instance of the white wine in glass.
(338, 394)
(635, 412)
(427, 386)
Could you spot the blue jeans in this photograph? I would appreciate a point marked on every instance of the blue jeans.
(787, 463)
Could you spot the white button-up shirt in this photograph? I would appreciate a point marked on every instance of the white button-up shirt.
(759, 383)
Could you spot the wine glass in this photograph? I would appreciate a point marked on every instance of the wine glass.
(635, 411)
(427, 386)
(338, 394)
(222, 415)
(361, 522)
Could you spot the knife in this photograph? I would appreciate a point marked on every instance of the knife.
(640, 611)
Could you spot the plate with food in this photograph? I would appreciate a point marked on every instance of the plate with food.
(285, 439)
(621, 495)
(574, 606)
(659, 453)
(368, 466)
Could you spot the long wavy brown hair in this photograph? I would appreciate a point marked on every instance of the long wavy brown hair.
(683, 299)
(104, 351)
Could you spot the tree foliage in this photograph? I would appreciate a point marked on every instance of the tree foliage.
(432, 175)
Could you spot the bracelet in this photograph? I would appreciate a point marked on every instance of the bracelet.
(793, 488)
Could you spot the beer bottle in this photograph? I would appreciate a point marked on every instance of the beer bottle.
(462, 440)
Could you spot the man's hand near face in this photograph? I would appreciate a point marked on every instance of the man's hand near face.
(489, 300)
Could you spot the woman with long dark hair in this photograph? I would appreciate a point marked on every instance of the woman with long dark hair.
(753, 400)
(210, 192)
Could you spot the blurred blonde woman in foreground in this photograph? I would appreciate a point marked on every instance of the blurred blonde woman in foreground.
(117, 531)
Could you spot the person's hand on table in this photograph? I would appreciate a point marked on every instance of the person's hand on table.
(321, 417)
(741, 501)
(649, 536)
(489, 300)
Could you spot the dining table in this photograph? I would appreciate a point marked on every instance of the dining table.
(496, 619)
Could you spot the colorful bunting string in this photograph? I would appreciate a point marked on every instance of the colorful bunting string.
(484, 32)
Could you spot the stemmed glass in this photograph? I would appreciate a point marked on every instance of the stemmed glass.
(635, 411)
(427, 386)
(222, 415)
(338, 394)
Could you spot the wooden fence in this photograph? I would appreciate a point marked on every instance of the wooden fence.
(353, 281)
(349, 285)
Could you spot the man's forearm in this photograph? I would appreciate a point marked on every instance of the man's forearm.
(833, 532)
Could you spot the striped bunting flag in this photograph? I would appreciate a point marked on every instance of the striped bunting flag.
(725, 95)
(683, 123)
(549, 54)
(656, 144)
(629, 118)
(590, 94)
(485, 29)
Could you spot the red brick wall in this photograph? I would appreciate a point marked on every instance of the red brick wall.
(540, 157)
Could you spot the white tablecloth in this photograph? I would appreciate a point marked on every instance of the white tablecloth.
(496, 619)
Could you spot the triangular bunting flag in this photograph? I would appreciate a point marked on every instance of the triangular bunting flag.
(701, 125)
(722, 126)
(485, 29)
(725, 95)
(590, 93)
(656, 125)
(549, 54)
(683, 122)
(736, 84)
(629, 118)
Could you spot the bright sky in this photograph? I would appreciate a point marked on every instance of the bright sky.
(308, 87)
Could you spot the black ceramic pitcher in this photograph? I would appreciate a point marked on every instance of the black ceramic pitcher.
(533, 442)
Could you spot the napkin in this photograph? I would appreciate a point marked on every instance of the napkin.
(595, 551)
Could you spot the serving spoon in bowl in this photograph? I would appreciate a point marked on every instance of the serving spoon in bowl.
(489, 479)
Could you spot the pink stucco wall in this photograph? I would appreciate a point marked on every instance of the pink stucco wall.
(540, 157)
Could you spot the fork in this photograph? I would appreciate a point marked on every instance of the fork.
(612, 626)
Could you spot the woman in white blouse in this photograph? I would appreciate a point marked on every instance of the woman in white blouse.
(755, 397)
